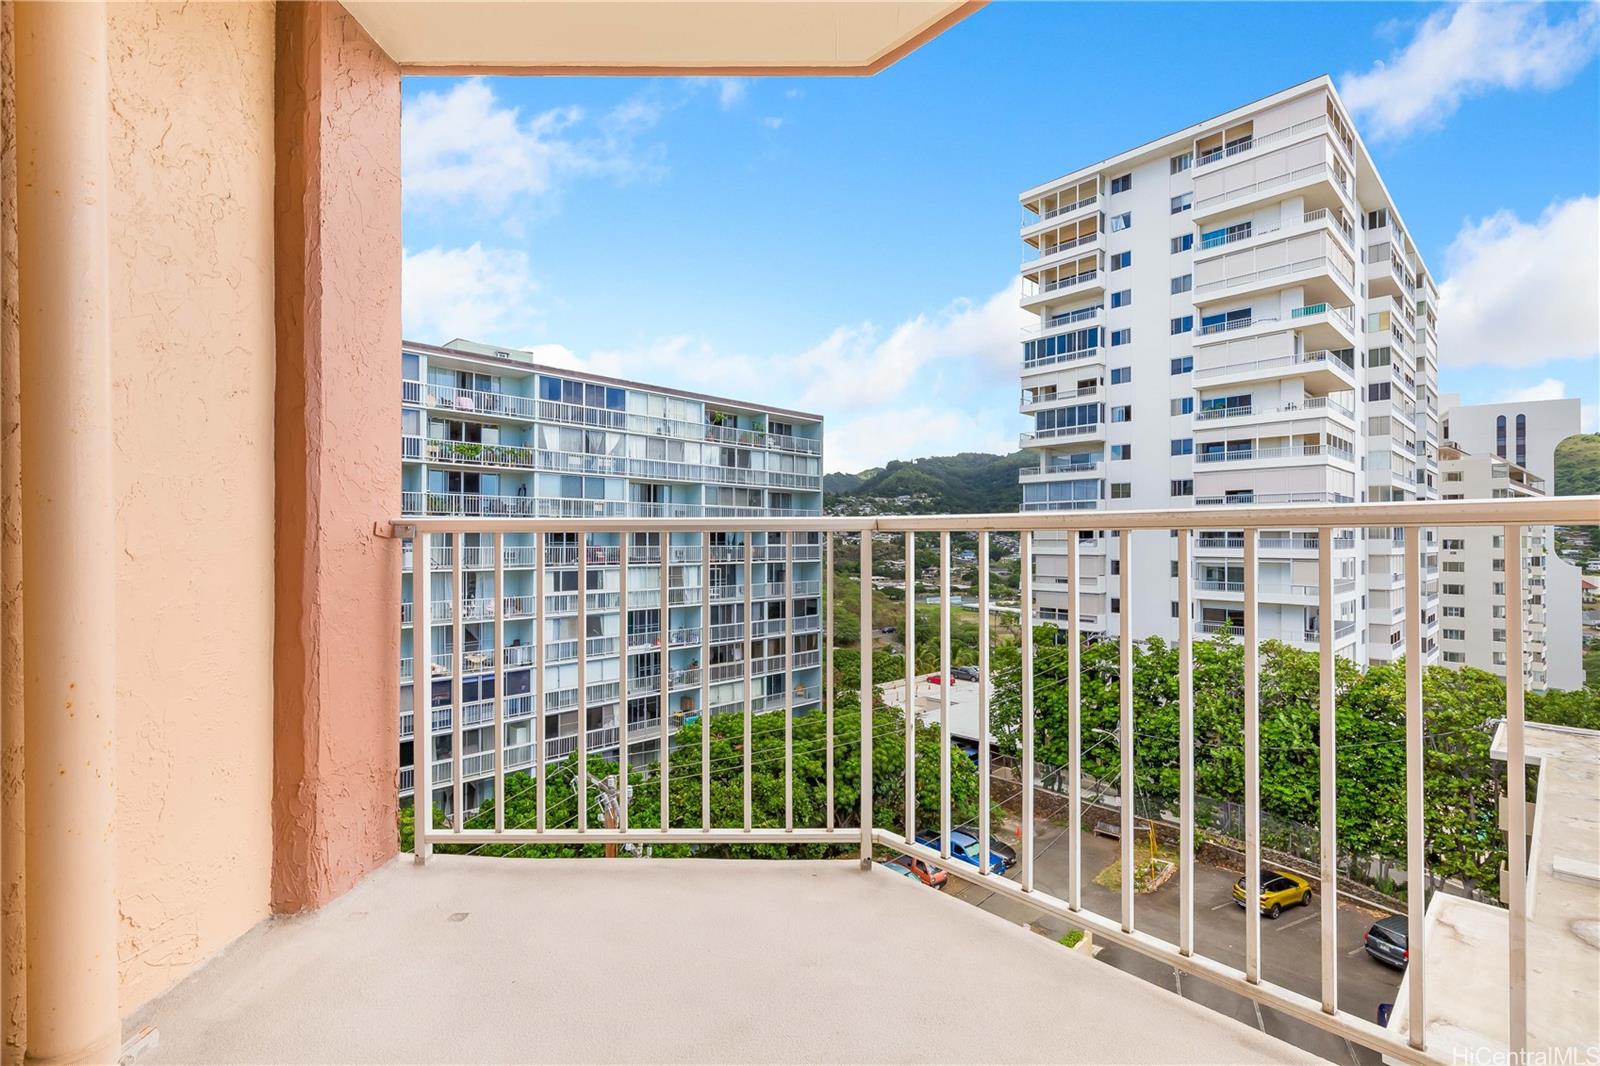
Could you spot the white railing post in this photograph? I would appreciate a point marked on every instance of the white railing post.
(539, 741)
(664, 642)
(1025, 537)
(1416, 864)
(1252, 765)
(1328, 842)
(983, 700)
(1074, 725)
(1130, 821)
(827, 667)
(422, 697)
(622, 674)
(705, 688)
(910, 643)
(944, 697)
(581, 765)
(498, 651)
(1516, 803)
(458, 665)
(788, 682)
(749, 679)
(1185, 745)
(865, 628)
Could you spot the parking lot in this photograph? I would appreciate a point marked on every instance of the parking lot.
(1290, 945)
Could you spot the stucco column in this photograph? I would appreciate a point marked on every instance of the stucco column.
(68, 660)
(336, 724)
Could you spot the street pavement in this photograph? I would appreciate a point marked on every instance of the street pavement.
(1290, 946)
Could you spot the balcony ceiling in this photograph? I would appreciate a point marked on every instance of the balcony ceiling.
(748, 37)
(671, 960)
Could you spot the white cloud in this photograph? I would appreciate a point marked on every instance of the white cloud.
(464, 145)
(773, 122)
(479, 293)
(730, 91)
(1467, 49)
(1518, 294)
(1548, 389)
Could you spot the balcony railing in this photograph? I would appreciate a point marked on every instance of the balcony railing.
(1118, 924)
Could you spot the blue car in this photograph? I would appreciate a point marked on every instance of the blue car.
(964, 846)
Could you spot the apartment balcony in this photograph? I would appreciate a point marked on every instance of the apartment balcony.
(1320, 371)
(1046, 438)
(1253, 146)
(1068, 239)
(1071, 203)
(1321, 277)
(1321, 185)
(1287, 455)
(1333, 222)
(1068, 363)
(472, 402)
(1388, 274)
(1059, 472)
(1068, 279)
(1045, 397)
(1307, 412)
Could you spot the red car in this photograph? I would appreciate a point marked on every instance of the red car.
(936, 679)
(928, 875)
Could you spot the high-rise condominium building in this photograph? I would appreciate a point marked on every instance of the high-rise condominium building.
(486, 432)
(1232, 314)
(1494, 451)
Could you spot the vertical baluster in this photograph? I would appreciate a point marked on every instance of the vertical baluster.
(705, 689)
(663, 713)
(539, 739)
(1026, 580)
(865, 609)
(788, 681)
(1074, 728)
(1185, 744)
(1252, 768)
(500, 747)
(749, 674)
(622, 675)
(983, 700)
(827, 667)
(1130, 820)
(1516, 802)
(1327, 757)
(582, 765)
(458, 663)
(1416, 842)
(911, 686)
(422, 694)
(944, 694)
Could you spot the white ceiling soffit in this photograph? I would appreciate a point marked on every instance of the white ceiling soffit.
(652, 36)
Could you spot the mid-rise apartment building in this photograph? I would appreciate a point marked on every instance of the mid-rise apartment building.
(486, 432)
(1232, 314)
(1494, 451)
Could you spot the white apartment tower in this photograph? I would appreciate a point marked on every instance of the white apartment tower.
(1493, 451)
(1232, 314)
(486, 432)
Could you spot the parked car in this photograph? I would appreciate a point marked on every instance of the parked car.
(931, 876)
(964, 673)
(1386, 941)
(935, 679)
(896, 868)
(964, 846)
(996, 845)
(1278, 890)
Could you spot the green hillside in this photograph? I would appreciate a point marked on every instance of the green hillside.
(1578, 465)
(969, 483)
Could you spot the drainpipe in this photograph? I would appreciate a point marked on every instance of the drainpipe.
(69, 623)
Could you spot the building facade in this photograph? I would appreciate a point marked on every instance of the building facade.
(1232, 314)
(1493, 451)
(486, 432)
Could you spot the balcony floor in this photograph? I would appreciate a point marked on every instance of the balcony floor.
(494, 960)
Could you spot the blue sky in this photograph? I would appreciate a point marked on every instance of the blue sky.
(849, 246)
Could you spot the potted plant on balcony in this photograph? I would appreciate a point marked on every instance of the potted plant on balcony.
(463, 449)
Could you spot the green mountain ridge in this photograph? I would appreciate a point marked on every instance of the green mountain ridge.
(968, 483)
(1578, 465)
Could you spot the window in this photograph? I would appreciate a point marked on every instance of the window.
(1454, 590)
(1182, 324)
(1116, 605)
(1174, 572)
(1378, 390)
(1122, 183)
(1121, 336)
(1183, 364)
(1182, 244)
(1450, 545)
(1183, 405)
(1182, 284)
(1122, 298)
(1121, 259)
(1182, 202)
(1179, 163)
(1522, 440)
(1379, 356)
(1121, 222)
(1498, 636)
(1500, 436)
(1455, 612)
(1453, 634)
(1121, 451)
(1121, 490)
(1455, 657)
(1499, 658)
(1183, 487)
(1121, 375)
(1183, 446)
(1122, 413)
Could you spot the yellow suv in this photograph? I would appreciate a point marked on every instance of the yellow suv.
(1278, 890)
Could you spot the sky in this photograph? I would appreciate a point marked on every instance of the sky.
(848, 246)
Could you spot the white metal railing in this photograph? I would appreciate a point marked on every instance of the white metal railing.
(1322, 264)
(1311, 404)
(1309, 359)
(1054, 284)
(1249, 144)
(1061, 357)
(1289, 451)
(1245, 192)
(1326, 513)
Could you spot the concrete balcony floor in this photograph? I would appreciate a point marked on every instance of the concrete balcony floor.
(670, 960)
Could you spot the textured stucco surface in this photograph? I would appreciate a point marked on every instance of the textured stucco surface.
(191, 290)
(336, 735)
(12, 1015)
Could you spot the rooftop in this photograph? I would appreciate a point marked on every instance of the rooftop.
(704, 961)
